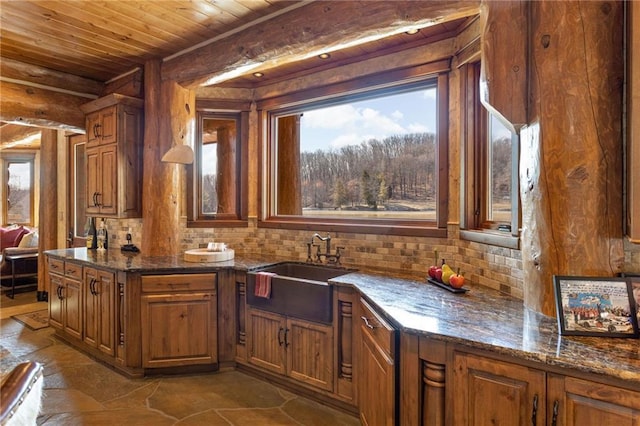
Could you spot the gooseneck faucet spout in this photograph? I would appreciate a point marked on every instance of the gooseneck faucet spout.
(330, 258)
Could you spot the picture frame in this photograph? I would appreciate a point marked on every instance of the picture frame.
(595, 306)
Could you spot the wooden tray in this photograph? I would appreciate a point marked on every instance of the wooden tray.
(447, 286)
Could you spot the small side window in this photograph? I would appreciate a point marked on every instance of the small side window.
(18, 188)
(216, 194)
(490, 187)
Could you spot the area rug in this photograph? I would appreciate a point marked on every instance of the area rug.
(34, 320)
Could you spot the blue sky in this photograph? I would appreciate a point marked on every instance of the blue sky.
(350, 124)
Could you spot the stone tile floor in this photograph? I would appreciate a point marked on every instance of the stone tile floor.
(80, 391)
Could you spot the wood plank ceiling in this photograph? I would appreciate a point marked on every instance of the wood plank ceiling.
(98, 41)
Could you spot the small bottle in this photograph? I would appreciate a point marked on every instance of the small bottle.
(100, 236)
(106, 234)
(92, 241)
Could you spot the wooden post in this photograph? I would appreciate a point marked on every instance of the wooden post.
(571, 160)
(289, 185)
(571, 139)
(169, 120)
(226, 154)
(48, 221)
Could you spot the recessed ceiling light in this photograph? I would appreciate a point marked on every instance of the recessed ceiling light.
(258, 74)
(324, 56)
(413, 31)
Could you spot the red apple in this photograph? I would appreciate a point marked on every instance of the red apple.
(438, 274)
(456, 280)
(432, 268)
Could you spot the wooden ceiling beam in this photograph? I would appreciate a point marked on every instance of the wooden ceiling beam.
(305, 32)
(45, 77)
(34, 106)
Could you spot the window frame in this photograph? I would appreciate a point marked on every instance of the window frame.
(389, 82)
(208, 109)
(474, 225)
(18, 157)
(76, 199)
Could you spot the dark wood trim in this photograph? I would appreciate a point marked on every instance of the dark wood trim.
(414, 229)
(442, 162)
(374, 81)
(223, 109)
(222, 105)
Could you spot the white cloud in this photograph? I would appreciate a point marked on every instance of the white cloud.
(397, 115)
(417, 128)
(330, 118)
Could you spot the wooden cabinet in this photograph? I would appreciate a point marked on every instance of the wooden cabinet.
(101, 126)
(299, 349)
(102, 176)
(377, 384)
(482, 389)
(114, 156)
(178, 320)
(576, 402)
(488, 391)
(65, 313)
(99, 319)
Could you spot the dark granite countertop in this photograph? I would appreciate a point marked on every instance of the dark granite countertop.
(490, 320)
(482, 318)
(135, 262)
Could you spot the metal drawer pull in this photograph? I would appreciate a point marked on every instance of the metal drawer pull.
(280, 330)
(367, 323)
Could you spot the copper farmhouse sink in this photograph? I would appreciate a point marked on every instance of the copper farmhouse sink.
(298, 290)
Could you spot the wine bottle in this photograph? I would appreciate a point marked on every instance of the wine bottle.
(100, 236)
(106, 234)
(92, 238)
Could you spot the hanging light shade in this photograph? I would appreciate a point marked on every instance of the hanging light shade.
(181, 154)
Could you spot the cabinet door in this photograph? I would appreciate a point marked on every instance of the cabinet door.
(72, 312)
(56, 305)
(265, 340)
(487, 391)
(573, 402)
(108, 180)
(377, 380)
(108, 122)
(93, 129)
(99, 310)
(310, 349)
(105, 289)
(178, 329)
(93, 180)
(90, 305)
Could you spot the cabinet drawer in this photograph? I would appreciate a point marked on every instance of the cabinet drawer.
(183, 282)
(56, 266)
(379, 329)
(73, 270)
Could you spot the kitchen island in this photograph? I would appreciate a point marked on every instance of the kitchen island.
(438, 343)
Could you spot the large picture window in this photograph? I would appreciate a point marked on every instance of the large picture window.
(367, 161)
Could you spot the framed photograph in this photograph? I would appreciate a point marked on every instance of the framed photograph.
(635, 291)
(590, 306)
